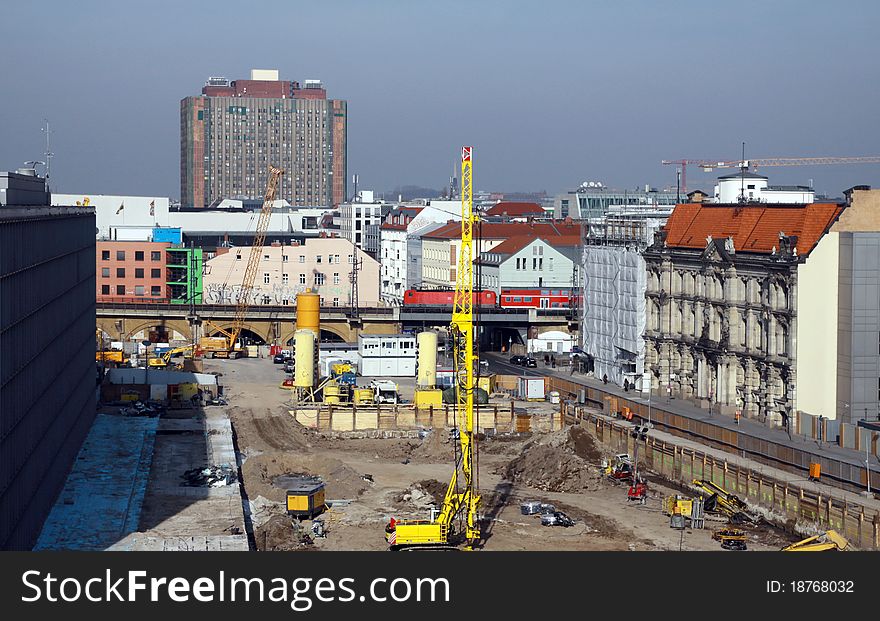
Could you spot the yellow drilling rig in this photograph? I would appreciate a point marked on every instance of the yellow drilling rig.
(462, 496)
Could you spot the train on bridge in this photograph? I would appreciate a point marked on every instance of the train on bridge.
(508, 299)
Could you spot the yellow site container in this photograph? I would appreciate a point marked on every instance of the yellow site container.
(815, 471)
(428, 397)
(305, 497)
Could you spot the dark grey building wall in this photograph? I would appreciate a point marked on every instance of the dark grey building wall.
(47, 369)
(859, 326)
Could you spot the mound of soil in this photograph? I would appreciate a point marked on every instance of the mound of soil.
(259, 472)
(267, 429)
(422, 494)
(436, 447)
(563, 461)
(280, 534)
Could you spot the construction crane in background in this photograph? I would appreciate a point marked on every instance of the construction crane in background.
(227, 346)
(462, 496)
(754, 164)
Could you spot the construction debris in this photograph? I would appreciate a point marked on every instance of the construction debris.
(563, 461)
(210, 476)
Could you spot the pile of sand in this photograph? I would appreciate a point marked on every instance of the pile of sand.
(563, 461)
(260, 472)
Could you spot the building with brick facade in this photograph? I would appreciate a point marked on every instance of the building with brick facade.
(130, 269)
(233, 131)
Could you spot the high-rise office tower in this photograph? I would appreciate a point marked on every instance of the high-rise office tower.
(232, 132)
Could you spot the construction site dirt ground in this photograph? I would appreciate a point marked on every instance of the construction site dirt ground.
(370, 479)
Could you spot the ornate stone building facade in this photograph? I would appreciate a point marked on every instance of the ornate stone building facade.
(722, 304)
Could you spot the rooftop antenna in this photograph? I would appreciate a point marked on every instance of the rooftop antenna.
(49, 154)
(743, 164)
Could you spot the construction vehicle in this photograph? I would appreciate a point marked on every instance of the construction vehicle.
(457, 518)
(829, 541)
(618, 467)
(719, 500)
(730, 538)
(110, 355)
(165, 359)
(384, 391)
(227, 345)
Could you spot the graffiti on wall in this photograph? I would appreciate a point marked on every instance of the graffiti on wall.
(277, 294)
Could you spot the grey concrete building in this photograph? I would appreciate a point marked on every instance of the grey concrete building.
(47, 349)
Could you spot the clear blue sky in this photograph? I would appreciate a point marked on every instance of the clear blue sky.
(549, 93)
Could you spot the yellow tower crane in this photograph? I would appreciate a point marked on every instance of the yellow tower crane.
(226, 346)
(462, 498)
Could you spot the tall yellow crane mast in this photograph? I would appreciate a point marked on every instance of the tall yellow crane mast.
(462, 496)
(225, 346)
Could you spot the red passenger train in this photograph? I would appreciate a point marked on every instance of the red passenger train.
(444, 297)
(509, 298)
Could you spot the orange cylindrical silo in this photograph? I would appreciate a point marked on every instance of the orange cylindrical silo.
(308, 312)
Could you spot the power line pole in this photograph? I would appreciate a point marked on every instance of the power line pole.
(353, 279)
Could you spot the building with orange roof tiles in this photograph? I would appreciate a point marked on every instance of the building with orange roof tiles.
(742, 308)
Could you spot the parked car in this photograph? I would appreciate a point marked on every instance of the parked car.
(278, 359)
(530, 362)
(288, 367)
(517, 360)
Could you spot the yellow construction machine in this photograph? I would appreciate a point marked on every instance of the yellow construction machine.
(719, 500)
(164, 360)
(457, 520)
(829, 541)
(227, 345)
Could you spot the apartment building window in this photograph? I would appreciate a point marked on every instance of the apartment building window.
(319, 279)
(138, 255)
(266, 256)
(285, 278)
(317, 258)
(120, 289)
(335, 301)
(120, 255)
(139, 290)
(284, 258)
(105, 272)
(120, 272)
(105, 255)
(139, 272)
(155, 273)
(534, 264)
(351, 258)
(302, 279)
(335, 278)
(302, 258)
(156, 291)
(105, 289)
(336, 258)
(266, 279)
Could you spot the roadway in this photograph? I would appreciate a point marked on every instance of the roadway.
(748, 427)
